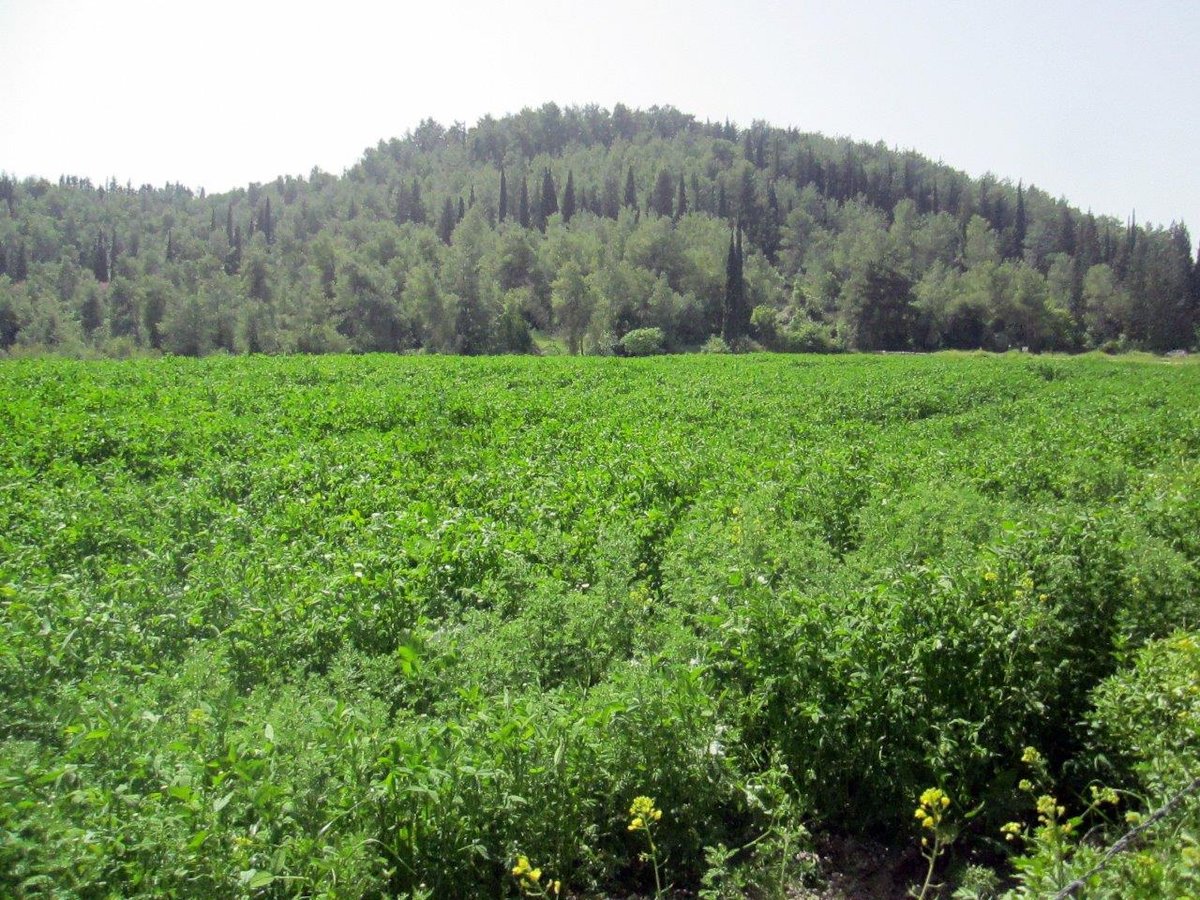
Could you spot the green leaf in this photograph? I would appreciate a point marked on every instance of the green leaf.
(259, 880)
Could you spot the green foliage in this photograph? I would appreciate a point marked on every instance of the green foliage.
(643, 342)
(871, 248)
(381, 625)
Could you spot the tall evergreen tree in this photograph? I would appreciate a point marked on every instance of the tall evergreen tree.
(568, 201)
(233, 259)
(523, 203)
(18, 266)
(722, 203)
(661, 196)
(610, 204)
(99, 258)
(630, 198)
(91, 312)
(734, 321)
(549, 204)
(446, 221)
(416, 208)
(681, 206)
(502, 211)
(462, 210)
(772, 220)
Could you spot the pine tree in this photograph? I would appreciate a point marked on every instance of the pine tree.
(523, 203)
(502, 212)
(568, 201)
(630, 191)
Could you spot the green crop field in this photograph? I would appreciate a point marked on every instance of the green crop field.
(384, 626)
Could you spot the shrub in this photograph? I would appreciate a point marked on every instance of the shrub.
(643, 342)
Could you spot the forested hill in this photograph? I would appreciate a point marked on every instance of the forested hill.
(584, 225)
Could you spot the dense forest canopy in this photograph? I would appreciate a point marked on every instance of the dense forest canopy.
(621, 231)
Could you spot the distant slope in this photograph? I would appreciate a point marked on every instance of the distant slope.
(587, 224)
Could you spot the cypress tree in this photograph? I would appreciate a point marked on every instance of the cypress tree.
(19, 266)
(462, 209)
(610, 203)
(8, 193)
(471, 198)
(416, 209)
(401, 204)
(681, 206)
(523, 203)
(741, 285)
(503, 210)
(549, 204)
(630, 190)
(91, 313)
(722, 203)
(233, 260)
(229, 224)
(99, 258)
(771, 225)
(446, 221)
(212, 224)
(268, 225)
(660, 197)
(1066, 230)
(568, 201)
(734, 320)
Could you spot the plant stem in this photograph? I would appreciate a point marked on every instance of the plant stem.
(933, 855)
(654, 862)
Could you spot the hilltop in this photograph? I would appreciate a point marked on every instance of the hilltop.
(578, 226)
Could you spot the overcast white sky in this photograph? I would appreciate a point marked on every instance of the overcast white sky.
(1098, 101)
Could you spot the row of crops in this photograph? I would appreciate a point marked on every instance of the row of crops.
(396, 626)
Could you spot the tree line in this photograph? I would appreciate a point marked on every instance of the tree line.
(580, 226)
